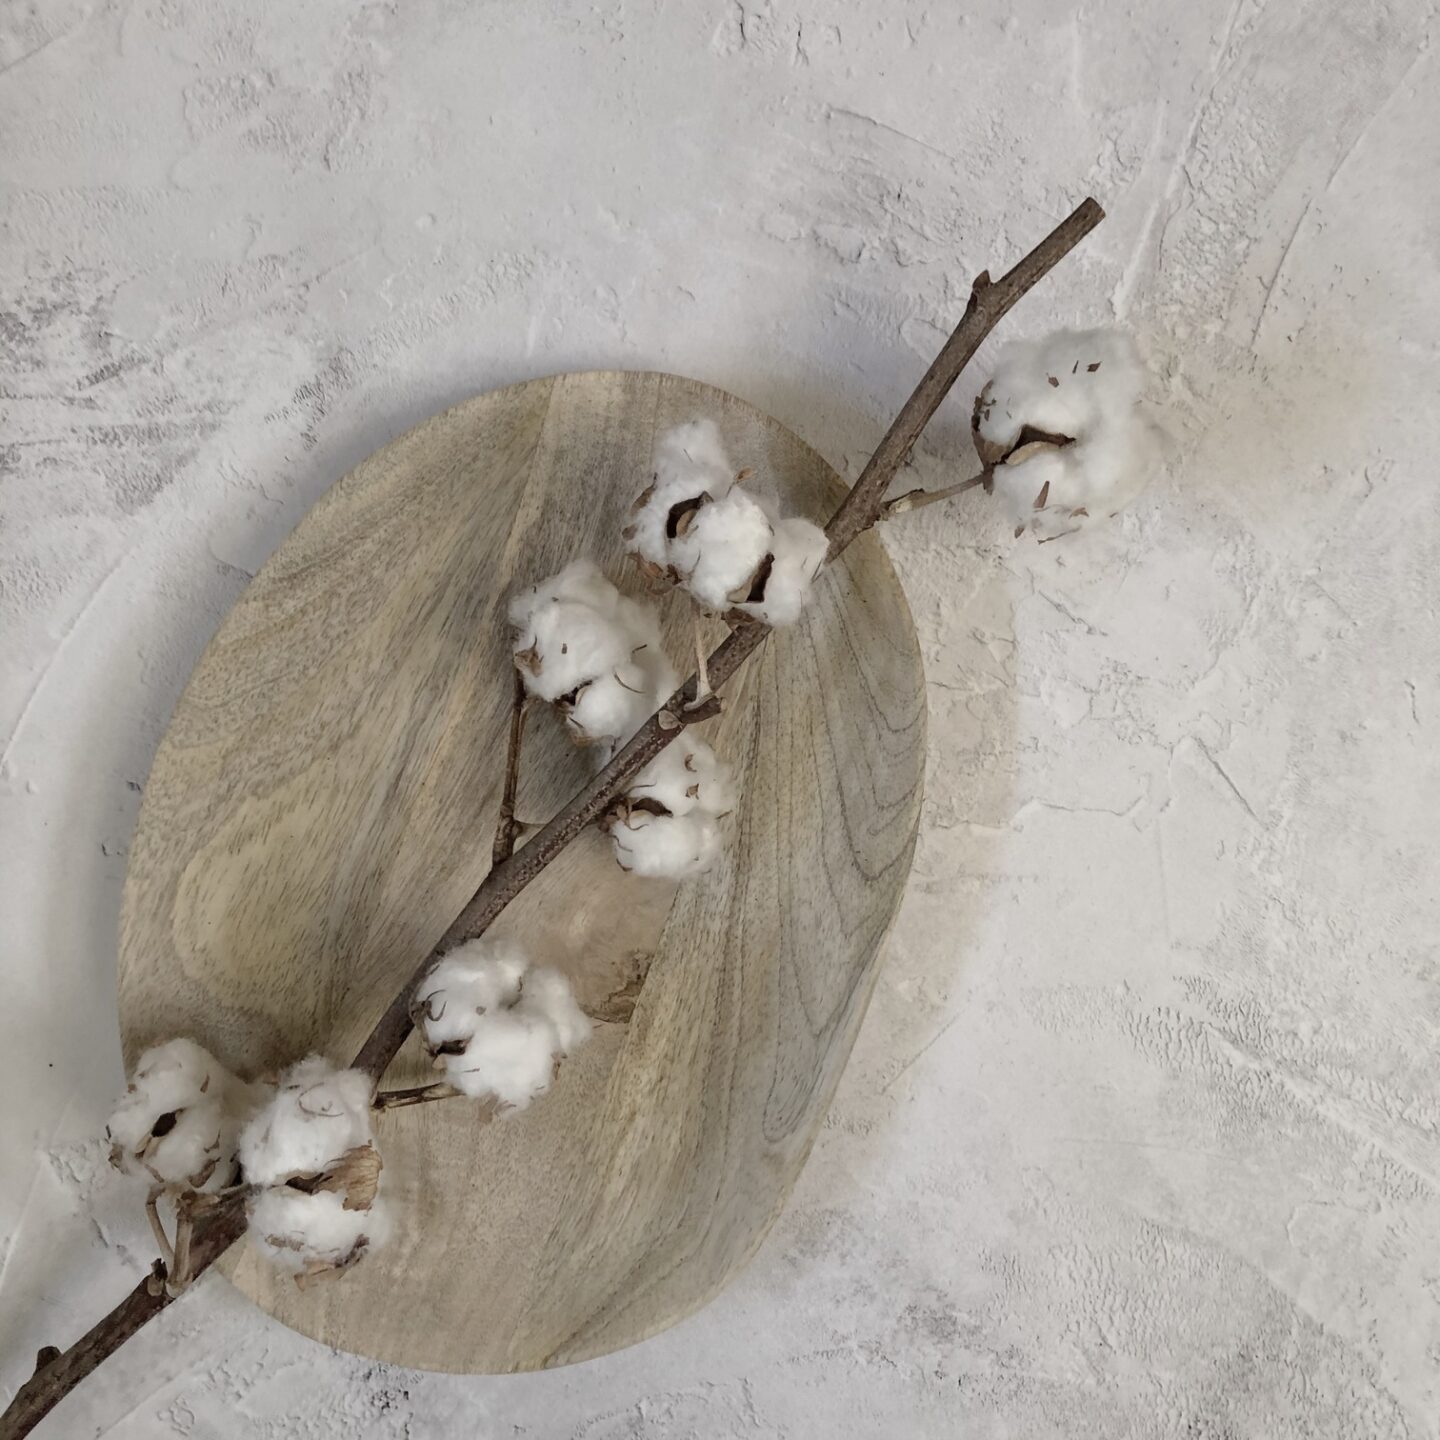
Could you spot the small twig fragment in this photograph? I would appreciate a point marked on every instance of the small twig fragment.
(415, 1095)
(184, 1233)
(508, 830)
(917, 499)
(702, 687)
(152, 1214)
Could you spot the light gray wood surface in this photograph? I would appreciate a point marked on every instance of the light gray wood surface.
(324, 803)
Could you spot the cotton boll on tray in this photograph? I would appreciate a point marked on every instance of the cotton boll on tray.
(687, 775)
(316, 1114)
(674, 847)
(309, 1155)
(696, 528)
(306, 1234)
(719, 552)
(691, 470)
(591, 650)
(797, 551)
(474, 977)
(570, 628)
(496, 1026)
(179, 1121)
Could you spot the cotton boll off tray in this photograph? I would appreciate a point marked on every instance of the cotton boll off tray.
(324, 803)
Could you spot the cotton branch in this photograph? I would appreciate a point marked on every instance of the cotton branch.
(219, 1225)
(990, 301)
(508, 830)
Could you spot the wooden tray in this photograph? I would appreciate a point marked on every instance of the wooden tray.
(324, 803)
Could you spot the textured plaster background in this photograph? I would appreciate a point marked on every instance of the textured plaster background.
(1142, 1135)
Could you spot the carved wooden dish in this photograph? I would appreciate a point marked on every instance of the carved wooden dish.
(324, 803)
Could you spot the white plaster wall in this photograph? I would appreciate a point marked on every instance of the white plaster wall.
(1141, 1137)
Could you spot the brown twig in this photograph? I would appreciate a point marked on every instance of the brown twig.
(181, 1273)
(508, 829)
(990, 301)
(415, 1095)
(152, 1214)
(702, 668)
(918, 499)
(34, 1400)
(217, 1228)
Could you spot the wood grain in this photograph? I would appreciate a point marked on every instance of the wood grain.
(324, 803)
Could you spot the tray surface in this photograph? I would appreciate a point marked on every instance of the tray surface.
(324, 802)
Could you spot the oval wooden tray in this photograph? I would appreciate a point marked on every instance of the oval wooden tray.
(324, 803)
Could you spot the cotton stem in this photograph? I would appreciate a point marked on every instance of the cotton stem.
(918, 499)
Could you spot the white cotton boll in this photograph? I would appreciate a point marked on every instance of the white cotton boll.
(579, 582)
(548, 995)
(1064, 384)
(687, 775)
(192, 1153)
(467, 981)
(723, 548)
(309, 1154)
(690, 466)
(651, 672)
(1049, 473)
(316, 1115)
(694, 525)
(672, 847)
(694, 452)
(1056, 491)
(797, 552)
(1080, 387)
(511, 1057)
(667, 781)
(1117, 462)
(303, 1233)
(485, 972)
(610, 708)
(570, 645)
(597, 653)
(640, 622)
(569, 629)
(168, 1079)
(179, 1120)
(497, 1025)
